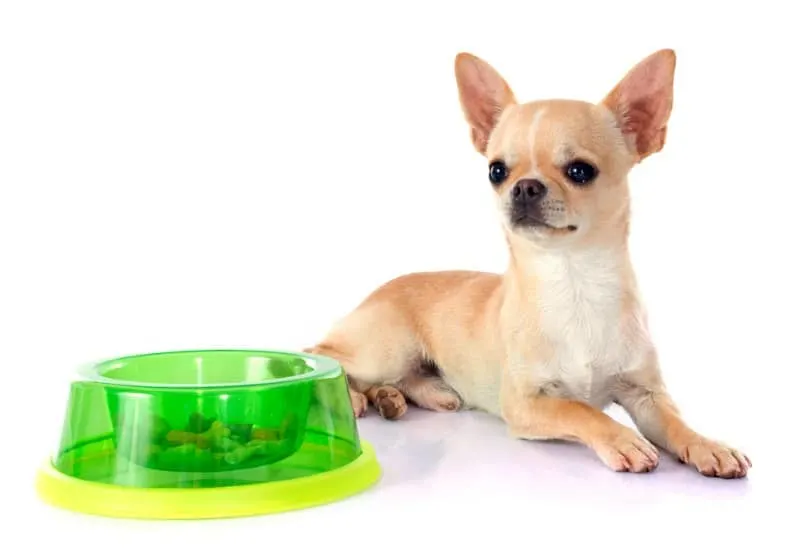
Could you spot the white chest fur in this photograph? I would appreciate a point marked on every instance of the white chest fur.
(581, 316)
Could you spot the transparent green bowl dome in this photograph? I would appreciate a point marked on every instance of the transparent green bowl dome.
(208, 434)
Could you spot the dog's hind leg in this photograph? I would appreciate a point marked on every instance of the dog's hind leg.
(377, 349)
(389, 400)
(430, 392)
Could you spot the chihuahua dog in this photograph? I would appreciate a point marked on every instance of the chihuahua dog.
(563, 333)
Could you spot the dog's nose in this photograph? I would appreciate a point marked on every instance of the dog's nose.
(527, 190)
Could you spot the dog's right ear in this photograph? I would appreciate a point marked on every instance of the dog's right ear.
(484, 95)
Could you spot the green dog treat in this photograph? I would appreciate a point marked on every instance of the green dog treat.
(258, 447)
(226, 444)
(202, 442)
(199, 423)
(216, 430)
(206, 442)
(215, 433)
(181, 437)
(238, 455)
(177, 456)
(185, 449)
(241, 431)
(266, 434)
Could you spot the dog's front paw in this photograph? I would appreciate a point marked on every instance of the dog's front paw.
(714, 459)
(626, 451)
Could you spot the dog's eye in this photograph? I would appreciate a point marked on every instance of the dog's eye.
(498, 172)
(580, 172)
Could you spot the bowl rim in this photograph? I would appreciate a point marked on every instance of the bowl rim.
(324, 367)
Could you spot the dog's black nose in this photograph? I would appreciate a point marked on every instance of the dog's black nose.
(528, 190)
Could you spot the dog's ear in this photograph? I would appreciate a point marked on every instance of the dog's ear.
(642, 103)
(484, 95)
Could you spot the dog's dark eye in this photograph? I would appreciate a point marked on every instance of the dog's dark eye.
(498, 172)
(580, 172)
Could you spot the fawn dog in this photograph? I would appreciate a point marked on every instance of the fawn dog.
(563, 333)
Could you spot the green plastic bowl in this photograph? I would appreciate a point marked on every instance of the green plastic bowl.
(208, 434)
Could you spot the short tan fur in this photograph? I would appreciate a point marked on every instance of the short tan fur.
(563, 333)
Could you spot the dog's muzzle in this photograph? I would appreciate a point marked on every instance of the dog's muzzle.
(526, 202)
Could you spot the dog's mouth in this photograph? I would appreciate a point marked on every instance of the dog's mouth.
(526, 220)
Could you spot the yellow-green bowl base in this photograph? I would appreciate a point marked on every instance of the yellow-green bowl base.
(252, 499)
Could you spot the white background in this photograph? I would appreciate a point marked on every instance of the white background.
(239, 174)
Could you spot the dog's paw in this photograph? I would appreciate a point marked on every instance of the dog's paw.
(391, 404)
(359, 402)
(714, 459)
(627, 451)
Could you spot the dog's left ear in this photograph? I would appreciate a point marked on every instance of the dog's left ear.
(642, 103)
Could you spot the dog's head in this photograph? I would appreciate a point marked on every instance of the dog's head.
(559, 167)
